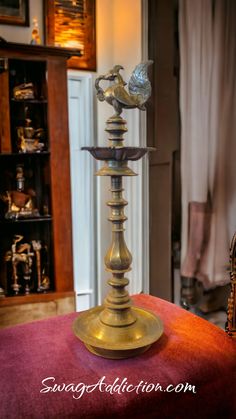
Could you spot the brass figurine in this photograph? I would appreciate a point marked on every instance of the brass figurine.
(139, 88)
(36, 244)
(24, 91)
(117, 329)
(35, 37)
(43, 281)
(21, 257)
(27, 266)
(20, 254)
(19, 203)
(29, 139)
(231, 313)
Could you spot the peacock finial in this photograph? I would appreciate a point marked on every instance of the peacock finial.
(139, 88)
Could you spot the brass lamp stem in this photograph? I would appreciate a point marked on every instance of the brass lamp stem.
(117, 260)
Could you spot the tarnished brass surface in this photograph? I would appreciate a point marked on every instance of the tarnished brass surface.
(118, 342)
(118, 153)
(139, 88)
(231, 313)
(117, 330)
(114, 168)
(20, 254)
(24, 91)
(20, 202)
(29, 139)
(128, 353)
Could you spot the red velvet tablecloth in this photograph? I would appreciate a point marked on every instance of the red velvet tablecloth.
(191, 352)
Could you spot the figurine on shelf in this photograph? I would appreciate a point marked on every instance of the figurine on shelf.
(20, 204)
(37, 246)
(29, 138)
(27, 266)
(45, 280)
(41, 252)
(20, 254)
(45, 284)
(35, 38)
(24, 91)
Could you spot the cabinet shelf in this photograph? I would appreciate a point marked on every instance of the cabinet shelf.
(26, 220)
(36, 101)
(26, 155)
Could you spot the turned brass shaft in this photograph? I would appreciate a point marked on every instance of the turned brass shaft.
(117, 260)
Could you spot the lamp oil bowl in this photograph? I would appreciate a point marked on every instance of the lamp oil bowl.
(117, 329)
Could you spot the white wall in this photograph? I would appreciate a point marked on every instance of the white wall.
(118, 42)
(127, 33)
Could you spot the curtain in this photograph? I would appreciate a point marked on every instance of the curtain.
(207, 34)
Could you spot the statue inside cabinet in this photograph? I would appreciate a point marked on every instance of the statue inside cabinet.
(30, 139)
(43, 281)
(22, 272)
(20, 255)
(20, 203)
(24, 91)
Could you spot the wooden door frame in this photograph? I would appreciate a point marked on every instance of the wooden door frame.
(163, 133)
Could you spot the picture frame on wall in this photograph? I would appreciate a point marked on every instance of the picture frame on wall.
(72, 24)
(14, 12)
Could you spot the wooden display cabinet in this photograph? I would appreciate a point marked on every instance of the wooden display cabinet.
(46, 178)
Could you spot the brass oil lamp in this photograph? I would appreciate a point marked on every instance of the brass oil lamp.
(117, 329)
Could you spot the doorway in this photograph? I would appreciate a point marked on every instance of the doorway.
(163, 133)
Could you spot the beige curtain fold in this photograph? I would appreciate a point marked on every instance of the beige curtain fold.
(207, 31)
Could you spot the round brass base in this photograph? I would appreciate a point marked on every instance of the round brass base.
(108, 353)
(116, 342)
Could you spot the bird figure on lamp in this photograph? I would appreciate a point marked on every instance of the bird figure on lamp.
(139, 88)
